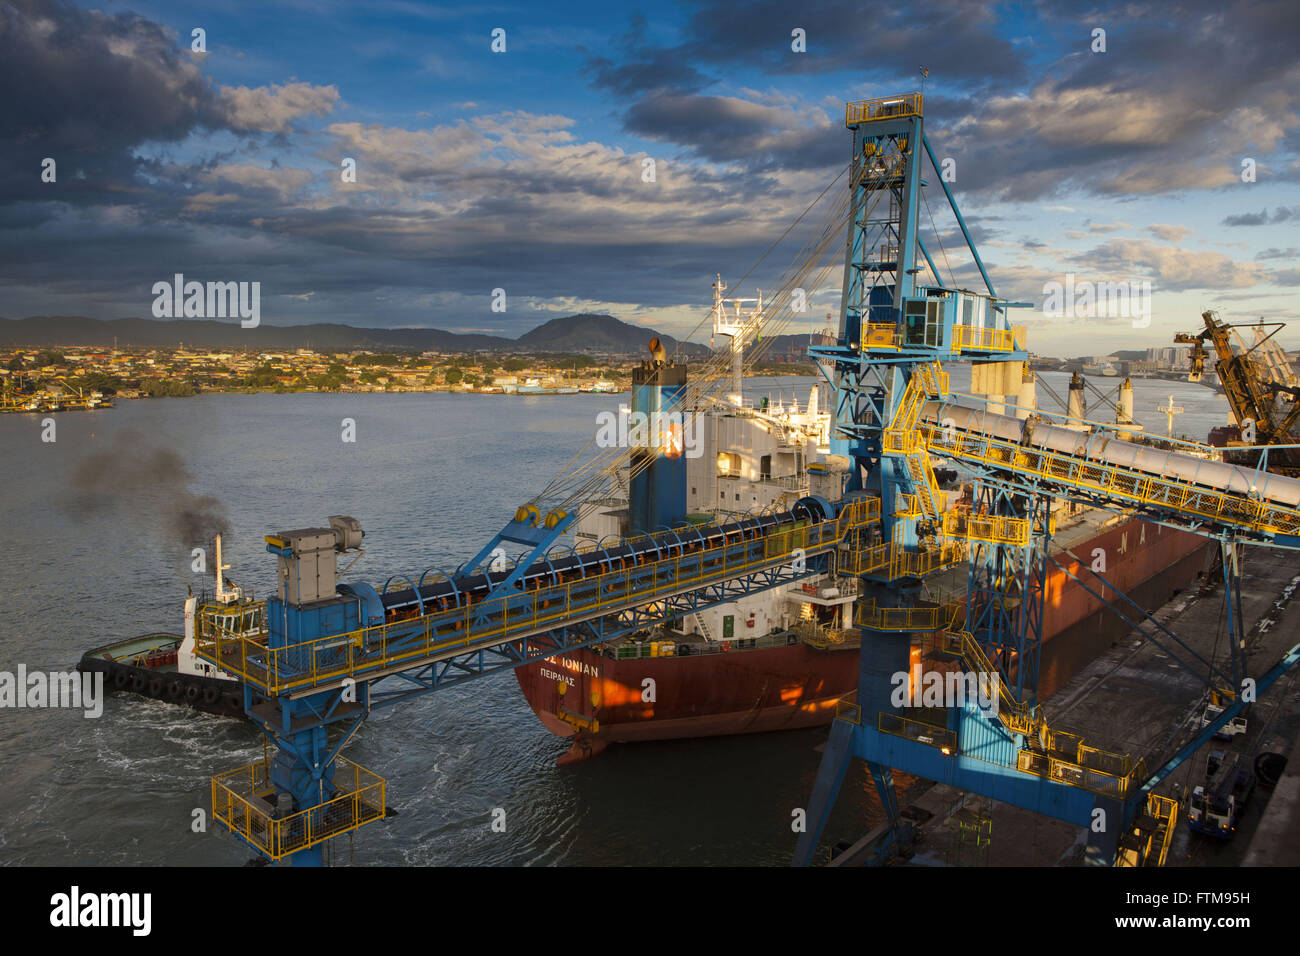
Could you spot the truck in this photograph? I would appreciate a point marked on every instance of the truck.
(1237, 725)
(1218, 803)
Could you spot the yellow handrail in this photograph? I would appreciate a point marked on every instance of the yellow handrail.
(311, 663)
(1114, 480)
(240, 802)
(882, 107)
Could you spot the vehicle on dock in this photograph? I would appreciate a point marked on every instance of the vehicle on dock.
(1234, 727)
(1218, 803)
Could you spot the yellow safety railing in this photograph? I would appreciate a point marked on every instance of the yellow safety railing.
(901, 436)
(896, 562)
(928, 617)
(882, 107)
(828, 638)
(986, 340)
(1114, 481)
(992, 529)
(931, 734)
(1165, 812)
(1013, 713)
(242, 800)
(455, 631)
(921, 564)
(1074, 774)
(933, 379)
(846, 708)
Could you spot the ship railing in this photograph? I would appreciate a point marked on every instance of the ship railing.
(813, 587)
(242, 800)
(230, 623)
(827, 638)
(448, 633)
(672, 647)
(941, 738)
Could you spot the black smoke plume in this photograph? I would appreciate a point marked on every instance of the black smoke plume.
(136, 473)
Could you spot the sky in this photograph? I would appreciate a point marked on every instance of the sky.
(523, 169)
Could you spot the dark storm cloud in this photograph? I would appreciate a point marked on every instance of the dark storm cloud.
(958, 37)
(726, 129)
(879, 40)
(1262, 218)
(649, 70)
(1182, 92)
(1168, 107)
(83, 87)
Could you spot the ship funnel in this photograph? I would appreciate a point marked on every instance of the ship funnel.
(658, 352)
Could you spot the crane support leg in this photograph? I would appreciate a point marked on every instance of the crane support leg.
(835, 762)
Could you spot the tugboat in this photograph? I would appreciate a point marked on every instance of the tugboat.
(163, 665)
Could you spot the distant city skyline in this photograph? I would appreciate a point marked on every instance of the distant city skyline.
(380, 165)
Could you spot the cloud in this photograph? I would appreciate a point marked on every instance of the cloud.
(1170, 233)
(84, 87)
(1262, 218)
(1169, 267)
(273, 109)
(730, 129)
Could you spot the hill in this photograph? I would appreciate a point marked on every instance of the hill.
(576, 333)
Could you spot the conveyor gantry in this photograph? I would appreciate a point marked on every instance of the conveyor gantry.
(701, 574)
(314, 664)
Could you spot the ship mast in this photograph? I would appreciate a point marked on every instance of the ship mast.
(730, 319)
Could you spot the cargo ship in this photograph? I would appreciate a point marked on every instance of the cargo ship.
(780, 659)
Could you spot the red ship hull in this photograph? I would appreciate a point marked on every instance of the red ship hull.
(796, 686)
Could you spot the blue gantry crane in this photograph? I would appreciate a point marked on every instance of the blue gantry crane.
(893, 412)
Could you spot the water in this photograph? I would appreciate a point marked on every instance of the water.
(431, 477)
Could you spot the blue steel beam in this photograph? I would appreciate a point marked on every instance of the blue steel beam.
(970, 243)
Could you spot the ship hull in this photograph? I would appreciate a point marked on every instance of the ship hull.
(597, 700)
(146, 666)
